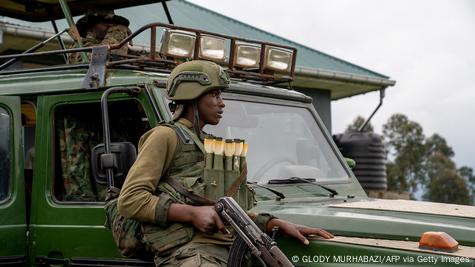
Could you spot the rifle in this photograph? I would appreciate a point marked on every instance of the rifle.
(248, 234)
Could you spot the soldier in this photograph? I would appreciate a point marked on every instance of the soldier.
(181, 234)
(77, 136)
(102, 27)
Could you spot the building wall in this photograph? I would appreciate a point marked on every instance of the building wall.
(322, 103)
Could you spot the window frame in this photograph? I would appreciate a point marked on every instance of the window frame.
(49, 105)
(9, 152)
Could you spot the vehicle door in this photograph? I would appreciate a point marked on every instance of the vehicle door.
(67, 202)
(13, 226)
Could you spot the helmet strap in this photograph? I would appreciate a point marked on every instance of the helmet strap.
(196, 119)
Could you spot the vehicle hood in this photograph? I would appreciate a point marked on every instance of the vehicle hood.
(377, 218)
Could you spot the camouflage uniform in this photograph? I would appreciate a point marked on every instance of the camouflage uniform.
(114, 34)
(196, 254)
(76, 140)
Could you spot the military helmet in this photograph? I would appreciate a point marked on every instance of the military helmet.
(191, 79)
(94, 16)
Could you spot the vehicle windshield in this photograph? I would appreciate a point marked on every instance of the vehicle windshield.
(284, 142)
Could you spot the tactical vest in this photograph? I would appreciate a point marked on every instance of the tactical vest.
(187, 167)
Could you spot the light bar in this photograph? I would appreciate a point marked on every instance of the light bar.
(246, 59)
(212, 48)
(278, 59)
(247, 55)
(176, 43)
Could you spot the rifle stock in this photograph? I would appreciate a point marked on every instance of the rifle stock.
(258, 242)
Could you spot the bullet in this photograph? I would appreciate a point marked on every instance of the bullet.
(208, 144)
(229, 148)
(218, 150)
(243, 155)
(237, 154)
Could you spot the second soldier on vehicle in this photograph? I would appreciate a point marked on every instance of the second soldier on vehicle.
(102, 27)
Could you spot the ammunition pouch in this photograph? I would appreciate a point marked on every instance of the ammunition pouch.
(214, 183)
(199, 191)
(126, 232)
(160, 240)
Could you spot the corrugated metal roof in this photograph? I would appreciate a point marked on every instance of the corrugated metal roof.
(191, 15)
(194, 16)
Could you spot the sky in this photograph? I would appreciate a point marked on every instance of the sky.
(426, 46)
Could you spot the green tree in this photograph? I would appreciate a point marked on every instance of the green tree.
(445, 183)
(448, 187)
(437, 144)
(405, 139)
(356, 125)
(437, 156)
(424, 164)
(437, 163)
(440, 169)
(396, 180)
(467, 174)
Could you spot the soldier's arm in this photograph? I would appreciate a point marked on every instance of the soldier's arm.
(136, 199)
(297, 231)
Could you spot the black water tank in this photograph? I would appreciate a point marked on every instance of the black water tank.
(368, 150)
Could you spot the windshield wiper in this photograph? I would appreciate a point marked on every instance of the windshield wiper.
(296, 180)
(279, 195)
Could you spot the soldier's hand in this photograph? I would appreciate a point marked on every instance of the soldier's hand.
(298, 231)
(207, 220)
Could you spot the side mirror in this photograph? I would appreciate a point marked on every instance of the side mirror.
(123, 155)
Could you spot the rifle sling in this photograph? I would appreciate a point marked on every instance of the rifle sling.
(237, 182)
(199, 200)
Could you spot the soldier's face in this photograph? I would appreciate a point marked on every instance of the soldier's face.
(211, 107)
(100, 29)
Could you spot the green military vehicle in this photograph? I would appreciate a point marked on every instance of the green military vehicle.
(52, 183)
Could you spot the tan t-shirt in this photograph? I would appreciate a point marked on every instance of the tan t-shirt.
(155, 153)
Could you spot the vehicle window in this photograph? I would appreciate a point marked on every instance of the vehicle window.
(284, 142)
(78, 129)
(4, 153)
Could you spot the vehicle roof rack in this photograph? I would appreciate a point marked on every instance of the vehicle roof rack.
(257, 61)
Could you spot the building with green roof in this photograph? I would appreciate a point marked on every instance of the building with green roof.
(319, 75)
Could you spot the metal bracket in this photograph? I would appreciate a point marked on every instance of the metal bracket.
(95, 76)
